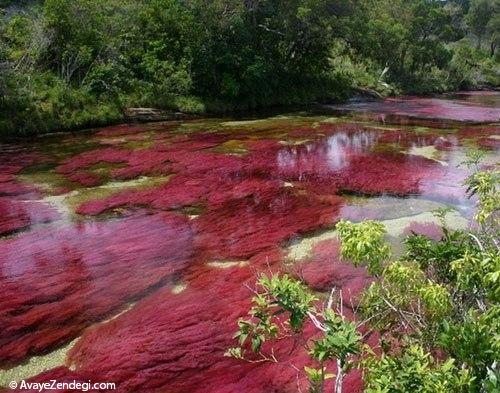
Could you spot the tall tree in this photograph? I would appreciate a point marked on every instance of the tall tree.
(480, 13)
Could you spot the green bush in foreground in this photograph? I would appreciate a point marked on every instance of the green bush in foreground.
(436, 309)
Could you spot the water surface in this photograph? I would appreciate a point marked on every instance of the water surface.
(124, 251)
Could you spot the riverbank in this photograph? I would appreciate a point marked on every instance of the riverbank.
(68, 65)
(367, 103)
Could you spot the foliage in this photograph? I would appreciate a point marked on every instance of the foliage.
(436, 308)
(444, 294)
(405, 301)
(364, 244)
(280, 308)
(340, 340)
(478, 273)
(472, 68)
(474, 341)
(170, 54)
(44, 103)
(414, 370)
(484, 184)
(436, 255)
(410, 39)
(220, 55)
(364, 73)
(478, 17)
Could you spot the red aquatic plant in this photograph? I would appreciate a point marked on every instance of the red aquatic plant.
(16, 214)
(176, 343)
(84, 160)
(242, 227)
(478, 131)
(429, 229)
(204, 178)
(489, 143)
(155, 160)
(122, 129)
(324, 270)
(426, 109)
(57, 280)
(392, 173)
(85, 178)
(14, 189)
(443, 143)
(10, 186)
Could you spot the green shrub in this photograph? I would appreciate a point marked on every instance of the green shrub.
(416, 371)
(441, 298)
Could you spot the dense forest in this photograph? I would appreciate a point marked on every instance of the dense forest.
(67, 64)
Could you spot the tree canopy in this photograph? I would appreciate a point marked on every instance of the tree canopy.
(71, 63)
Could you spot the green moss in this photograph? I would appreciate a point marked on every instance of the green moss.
(66, 204)
(103, 169)
(398, 214)
(429, 152)
(295, 142)
(387, 148)
(303, 248)
(198, 125)
(61, 147)
(192, 211)
(233, 146)
(45, 180)
(396, 226)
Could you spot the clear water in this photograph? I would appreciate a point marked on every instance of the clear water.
(124, 250)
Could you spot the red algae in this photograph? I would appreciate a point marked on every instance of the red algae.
(56, 282)
(16, 215)
(481, 97)
(59, 280)
(85, 179)
(176, 343)
(489, 143)
(122, 129)
(341, 162)
(426, 109)
(324, 271)
(394, 174)
(353, 169)
(15, 189)
(18, 206)
(78, 168)
(428, 229)
(243, 227)
(9, 185)
(133, 163)
(442, 143)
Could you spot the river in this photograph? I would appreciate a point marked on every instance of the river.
(124, 251)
